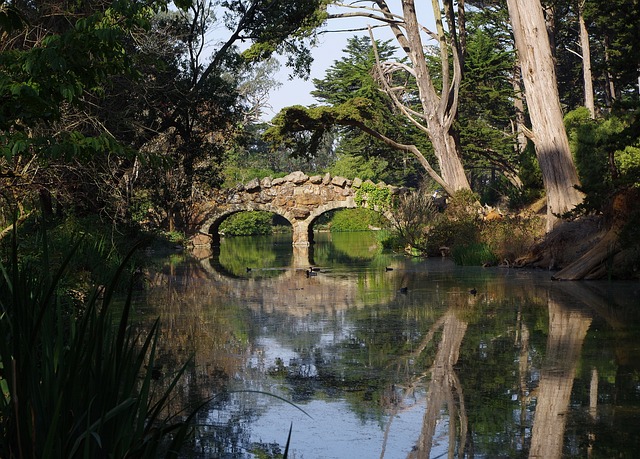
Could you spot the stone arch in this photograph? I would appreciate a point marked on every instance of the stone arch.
(348, 204)
(212, 225)
(328, 207)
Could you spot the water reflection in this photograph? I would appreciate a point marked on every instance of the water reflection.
(525, 367)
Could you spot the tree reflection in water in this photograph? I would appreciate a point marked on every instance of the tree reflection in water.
(526, 367)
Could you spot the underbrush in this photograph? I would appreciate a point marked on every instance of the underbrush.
(464, 231)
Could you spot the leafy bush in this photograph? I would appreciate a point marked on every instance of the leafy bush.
(584, 137)
(373, 196)
(415, 214)
(78, 382)
(247, 224)
(512, 236)
(356, 220)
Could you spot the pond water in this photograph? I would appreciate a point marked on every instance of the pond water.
(384, 356)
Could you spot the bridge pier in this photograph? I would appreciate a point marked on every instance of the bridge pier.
(301, 236)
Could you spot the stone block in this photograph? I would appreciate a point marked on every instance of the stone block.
(277, 181)
(308, 199)
(300, 212)
(357, 182)
(252, 185)
(297, 177)
(315, 179)
(326, 179)
(265, 182)
(339, 181)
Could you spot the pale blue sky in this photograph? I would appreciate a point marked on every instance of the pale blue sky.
(297, 91)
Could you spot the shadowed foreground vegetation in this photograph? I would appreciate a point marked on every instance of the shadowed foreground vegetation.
(76, 379)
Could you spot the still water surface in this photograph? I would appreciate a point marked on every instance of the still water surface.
(362, 361)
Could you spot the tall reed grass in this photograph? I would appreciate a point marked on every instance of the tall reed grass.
(78, 382)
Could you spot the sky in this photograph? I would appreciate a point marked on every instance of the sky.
(297, 91)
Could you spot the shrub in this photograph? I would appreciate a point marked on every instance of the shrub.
(356, 220)
(512, 236)
(247, 224)
(416, 214)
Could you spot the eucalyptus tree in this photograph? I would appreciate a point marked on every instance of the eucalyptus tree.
(613, 28)
(559, 173)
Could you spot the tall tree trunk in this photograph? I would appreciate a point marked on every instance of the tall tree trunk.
(586, 62)
(559, 173)
(439, 110)
(518, 105)
(446, 149)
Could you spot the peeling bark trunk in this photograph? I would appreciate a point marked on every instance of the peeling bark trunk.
(446, 150)
(518, 105)
(439, 110)
(559, 173)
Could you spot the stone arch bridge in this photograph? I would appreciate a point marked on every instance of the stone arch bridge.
(299, 198)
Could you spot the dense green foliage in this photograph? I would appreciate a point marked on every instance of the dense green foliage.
(247, 224)
(373, 196)
(69, 141)
(357, 220)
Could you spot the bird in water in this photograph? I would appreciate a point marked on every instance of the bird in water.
(311, 273)
(404, 289)
(311, 268)
(473, 291)
(388, 269)
(248, 269)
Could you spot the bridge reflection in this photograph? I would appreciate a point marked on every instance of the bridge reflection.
(302, 259)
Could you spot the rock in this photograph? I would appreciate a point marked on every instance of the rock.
(201, 239)
(265, 182)
(339, 181)
(252, 185)
(308, 199)
(300, 212)
(326, 179)
(315, 179)
(357, 183)
(297, 177)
